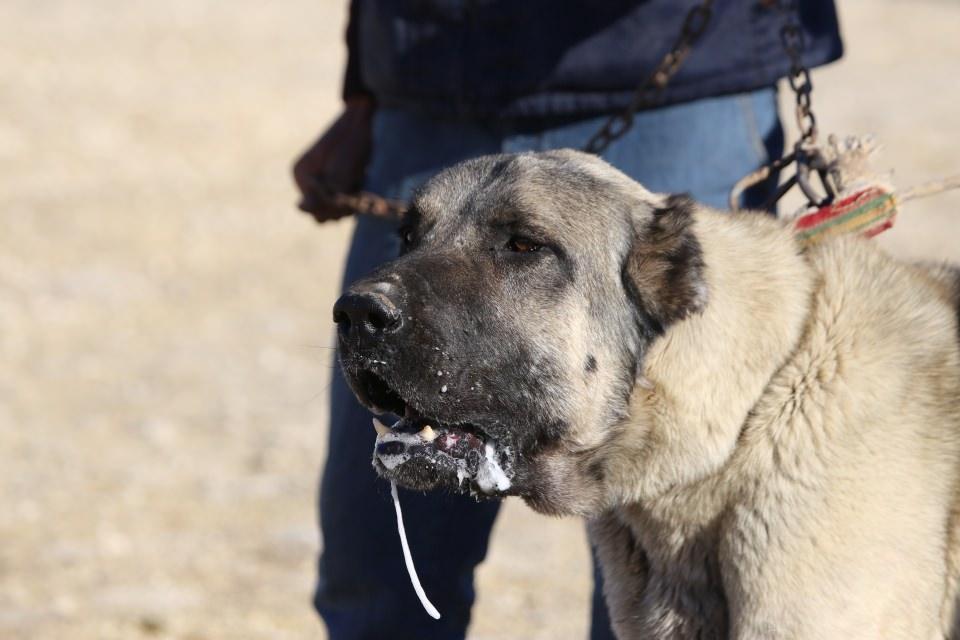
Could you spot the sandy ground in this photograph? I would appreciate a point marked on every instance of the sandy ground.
(164, 312)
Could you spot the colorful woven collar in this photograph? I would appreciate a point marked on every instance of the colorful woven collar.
(866, 212)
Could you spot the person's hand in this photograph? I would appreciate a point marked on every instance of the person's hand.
(336, 162)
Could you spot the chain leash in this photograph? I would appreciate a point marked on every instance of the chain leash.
(647, 94)
(650, 92)
(805, 154)
(791, 36)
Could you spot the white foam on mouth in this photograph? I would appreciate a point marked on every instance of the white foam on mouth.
(408, 558)
(393, 460)
(490, 474)
(399, 436)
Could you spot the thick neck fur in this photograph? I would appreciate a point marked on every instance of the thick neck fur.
(703, 376)
(664, 488)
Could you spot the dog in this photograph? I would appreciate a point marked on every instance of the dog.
(763, 437)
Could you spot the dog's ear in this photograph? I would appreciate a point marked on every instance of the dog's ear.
(664, 271)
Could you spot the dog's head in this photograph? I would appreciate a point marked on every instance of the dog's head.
(512, 328)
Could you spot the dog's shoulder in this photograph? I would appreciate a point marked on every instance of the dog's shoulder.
(884, 302)
(879, 350)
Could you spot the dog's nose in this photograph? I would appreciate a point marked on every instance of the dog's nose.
(369, 311)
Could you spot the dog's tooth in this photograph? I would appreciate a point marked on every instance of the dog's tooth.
(381, 428)
(427, 433)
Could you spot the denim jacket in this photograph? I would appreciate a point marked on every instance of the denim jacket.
(537, 58)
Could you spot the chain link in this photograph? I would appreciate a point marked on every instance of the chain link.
(809, 160)
(650, 91)
(791, 36)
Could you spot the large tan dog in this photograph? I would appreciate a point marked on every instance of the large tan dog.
(765, 439)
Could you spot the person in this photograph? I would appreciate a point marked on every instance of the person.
(429, 83)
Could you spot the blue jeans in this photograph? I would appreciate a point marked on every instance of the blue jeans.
(363, 591)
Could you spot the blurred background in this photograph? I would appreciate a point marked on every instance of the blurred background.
(165, 332)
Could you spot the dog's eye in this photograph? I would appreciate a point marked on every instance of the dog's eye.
(523, 245)
(406, 235)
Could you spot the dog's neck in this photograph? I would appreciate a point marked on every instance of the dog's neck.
(704, 375)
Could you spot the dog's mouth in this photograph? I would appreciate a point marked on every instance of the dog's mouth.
(421, 452)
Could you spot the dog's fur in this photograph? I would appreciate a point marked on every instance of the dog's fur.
(765, 439)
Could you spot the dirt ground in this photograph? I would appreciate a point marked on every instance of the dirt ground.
(164, 312)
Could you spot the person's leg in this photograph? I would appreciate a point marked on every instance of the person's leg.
(701, 148)
(363, 590)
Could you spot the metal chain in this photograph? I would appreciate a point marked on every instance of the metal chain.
(647, 94)
(651, 90)
(809, 159)
(791, 36)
